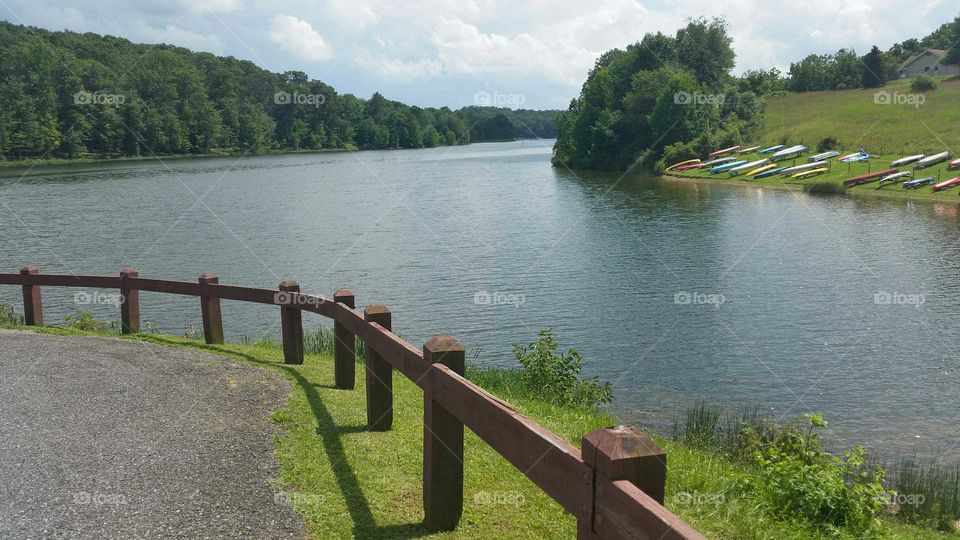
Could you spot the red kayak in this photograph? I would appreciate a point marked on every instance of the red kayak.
(948, 184)
(724, 152)
(688, 167)
(866, 178)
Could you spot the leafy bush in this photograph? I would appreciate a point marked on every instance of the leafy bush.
(555, 377)
(8, 315)
(84, 320)
(923, 84)
(679, 151)
(827, 143)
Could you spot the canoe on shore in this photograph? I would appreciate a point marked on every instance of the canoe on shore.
(747, 166)
(906, 160)
(896, 178)
(953, 165)
(824, 155)
(771, 149)
(947, 185)
(932, 160)
(788, 153)
(867, 178)
(914, 184)
(804, 167)
(761, 169)
(771, 172)
(682, 163)
(726, 166)
(808, 174)
(723, 152)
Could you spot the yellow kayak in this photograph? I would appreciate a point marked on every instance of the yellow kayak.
(750, 150)
(808, 174)
(682, 163)
(761, 169)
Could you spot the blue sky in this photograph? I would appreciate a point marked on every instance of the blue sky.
(534, 54)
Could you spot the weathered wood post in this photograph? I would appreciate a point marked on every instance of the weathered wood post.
(129, 303)
(291, 323)
(620, 453)
(210, 310)
(32, 307)
(344, 346)
(442, 444)
(379, 381)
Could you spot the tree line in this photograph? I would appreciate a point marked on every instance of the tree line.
(69, 95)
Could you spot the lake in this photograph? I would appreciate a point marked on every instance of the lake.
(672, 290)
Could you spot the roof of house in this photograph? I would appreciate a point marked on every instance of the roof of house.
(939, 53)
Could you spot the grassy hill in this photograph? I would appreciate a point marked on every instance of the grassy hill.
(855, 119)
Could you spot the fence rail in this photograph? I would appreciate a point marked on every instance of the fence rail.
(614, 486)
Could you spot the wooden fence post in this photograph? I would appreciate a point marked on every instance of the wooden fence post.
(32, 307)
(210, 310)
(379, 379)
(621, 453)
(344, 346)
(129, 303)
(291, 323)
(442, 444)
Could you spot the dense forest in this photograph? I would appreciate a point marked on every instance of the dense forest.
(665, 94)
(68, 95)
(670, 98)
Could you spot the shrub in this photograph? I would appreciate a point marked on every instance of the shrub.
(922, 83)
(555, 377)
(679, 151)
(8, 315)
(827, 143)
(84, 320)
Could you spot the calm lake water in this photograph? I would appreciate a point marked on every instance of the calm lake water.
(672, 290)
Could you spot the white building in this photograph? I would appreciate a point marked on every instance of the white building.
(928, 62)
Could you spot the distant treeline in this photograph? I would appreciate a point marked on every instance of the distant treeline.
(67, 95)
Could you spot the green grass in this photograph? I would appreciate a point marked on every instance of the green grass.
(347, 481)
(856, 120)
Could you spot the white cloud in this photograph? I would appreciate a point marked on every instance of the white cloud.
(354, 14)
(183, 38)
(215, 6)
(298, 37)
(395, 68)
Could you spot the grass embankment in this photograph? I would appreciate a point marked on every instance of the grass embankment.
(854, 119)
(347, 481)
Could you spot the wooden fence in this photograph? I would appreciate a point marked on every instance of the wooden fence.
(614, 486)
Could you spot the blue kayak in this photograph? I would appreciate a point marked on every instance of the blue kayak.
(771, 149)
(771, 172)
(918, 182)
(727, 166)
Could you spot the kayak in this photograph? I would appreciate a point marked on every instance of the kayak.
(788, 153)
(932, 160)
(955, 164)
(896, 178)
(682, 163)
(747, 166)
(906, 160)
(808, 174)
(761, 169)
(824, 155)
(750, 150)
(804, 167)
(771, 149)
(771, 172)
(723, 152)
(912, 184)
(866, 178)
(947, 185)
(718, 161)
(688, 167)
(726, 166)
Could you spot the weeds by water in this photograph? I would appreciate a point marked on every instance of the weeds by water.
(926, 492)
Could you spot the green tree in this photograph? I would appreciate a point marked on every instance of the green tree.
(872, 74)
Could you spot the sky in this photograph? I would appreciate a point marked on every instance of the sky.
(529, 54)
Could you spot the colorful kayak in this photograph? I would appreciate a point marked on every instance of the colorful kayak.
(723, 152)
(947, 185)
(682, 163)
(689, 167)
(771, 149)
(788, 153)
(761, 169)
(862, 155)
(726, 166)
(824, 155)
(771, 172)
(720, 161)
(906, 160)
(801, 168)
(747, 166)
(932, 160)
(750, 150)
(955, 164)
(896, 178)
(913, 184)
(867, 178)
(808, 174)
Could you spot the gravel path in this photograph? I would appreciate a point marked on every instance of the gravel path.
(109, 438)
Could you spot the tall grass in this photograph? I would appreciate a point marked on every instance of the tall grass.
(9, 316)
(927, 492)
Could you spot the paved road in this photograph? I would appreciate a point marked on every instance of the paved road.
(107, 438)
